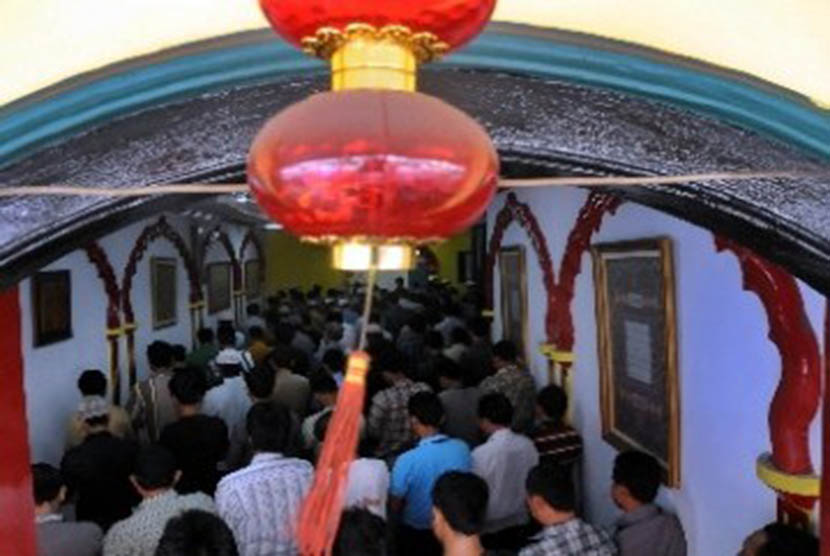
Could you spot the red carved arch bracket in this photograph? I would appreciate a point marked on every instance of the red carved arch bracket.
(559, 327)
(99, 258)
(160, 229)
(796, 399)
(252, 239)
(220, 236)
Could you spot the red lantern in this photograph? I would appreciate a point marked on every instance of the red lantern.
(453, 22)
(373, 165)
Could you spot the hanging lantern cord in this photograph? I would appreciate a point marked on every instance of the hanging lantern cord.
(371, 277)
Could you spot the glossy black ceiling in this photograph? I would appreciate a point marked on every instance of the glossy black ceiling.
(540, 127)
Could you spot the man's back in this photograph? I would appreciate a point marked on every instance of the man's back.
(199, 443)
(119, 425)
(460, 405)
(571, 538)
(56, 537)
(292, 390)
(99, 471)
(229, 401)
(520, 389)
(139, 534)
(649, 530)
(389, 418)
(260, 503)
(151, 406)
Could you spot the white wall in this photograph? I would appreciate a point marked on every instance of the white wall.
(728, 369)
(51, 372)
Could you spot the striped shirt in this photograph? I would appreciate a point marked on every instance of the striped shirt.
(557, 443)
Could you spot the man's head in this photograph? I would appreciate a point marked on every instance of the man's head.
(480, 328)
(459, 505)
(188, 386)
(226, 336)
(155, 471)
(550, 494)
(256, 333)
(434, 341)
(551, 403)
(334, 361)
(94, 412)
(252, 309)
(284, 333)
(324, 389)
(260, 382)
(636, 480)
(426, 413)
(48, 488)
(160, 356)
(179, 354)
(392, 364)
(196, 533)
(361, 533)
(205, 336)
(459, 335)
(92, 382)
(449, 372)
(269, 427)
(504, 354)
(777, 539)
(495, 412)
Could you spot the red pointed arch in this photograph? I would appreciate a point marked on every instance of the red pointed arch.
(218, 235)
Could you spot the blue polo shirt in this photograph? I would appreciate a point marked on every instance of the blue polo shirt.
(416, 471)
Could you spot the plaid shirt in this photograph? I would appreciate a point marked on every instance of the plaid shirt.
(520, 389)
(389, 417)
(571, 538)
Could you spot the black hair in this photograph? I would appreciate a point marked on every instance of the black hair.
(281, 357)
(447, 368)
(98, 421)
(256, 332)
(92, 382)
(323, 383)
(427, 408)
(480, 327)
(334, 360)
(160, 354)
(640, 473)
(505, 350)
(496, 408)
(46, 482)
(434, 340)
(196, 533)
(462, 500)
(269, 426)
(418, 323)
(361, 533)
(786, 540)
(226, 335)
(252, 309)
(391, 361)
(178, 352)
(554, 485)
(322, 425)
(554, 402)
(260, 382)
(205, 335)
(188, 385)
(284, 333)
(155, 467)
(459, 335)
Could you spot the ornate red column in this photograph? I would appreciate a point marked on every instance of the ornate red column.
(17, 525)
(824, 519)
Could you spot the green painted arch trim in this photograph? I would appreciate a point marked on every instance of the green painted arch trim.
(89, 100)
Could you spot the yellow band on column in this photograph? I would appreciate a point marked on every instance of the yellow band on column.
(555, 355)
(799, 485)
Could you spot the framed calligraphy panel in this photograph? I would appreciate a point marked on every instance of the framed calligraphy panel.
(637, 345)
(218, 287)
(163, 292)
(513, 280)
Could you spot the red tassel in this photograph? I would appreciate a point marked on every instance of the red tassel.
(320, 514)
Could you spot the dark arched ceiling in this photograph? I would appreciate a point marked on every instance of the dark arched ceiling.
(541, 127)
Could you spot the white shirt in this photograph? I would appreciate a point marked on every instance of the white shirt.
(504, 462)
(260, 504)
(368, 485)
(230, 402)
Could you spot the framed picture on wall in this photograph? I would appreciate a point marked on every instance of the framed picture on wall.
(51, 307)
(218, 287)
(465, 267)
(637, 347)
(253, 279)
(513, 280)
(163, 292)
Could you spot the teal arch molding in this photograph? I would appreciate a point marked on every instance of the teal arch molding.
(82, 102)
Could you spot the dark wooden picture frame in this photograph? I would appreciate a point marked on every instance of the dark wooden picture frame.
(513, 293)
(637, 348)
(163, 292)
(51, 307)
(219, 287)
(253, 279)
(466, 267)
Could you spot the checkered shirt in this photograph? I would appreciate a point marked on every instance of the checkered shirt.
(571, 538)
(389, 417)
(518, 386)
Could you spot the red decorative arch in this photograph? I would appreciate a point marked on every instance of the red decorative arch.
(796, 399)
(251, 238)
(99, 258)
(161, 229)
(220, 236)
(512, 211)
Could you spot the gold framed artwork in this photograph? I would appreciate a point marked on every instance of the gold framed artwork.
(163, 292)
(253, 279)
(637, 348)
(513, 281)
(51, 307)
(218, 287)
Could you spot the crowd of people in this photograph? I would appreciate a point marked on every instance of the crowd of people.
(460, 453)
